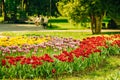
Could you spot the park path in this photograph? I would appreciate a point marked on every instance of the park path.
(32, 27)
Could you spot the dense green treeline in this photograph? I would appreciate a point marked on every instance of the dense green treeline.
(19, 9)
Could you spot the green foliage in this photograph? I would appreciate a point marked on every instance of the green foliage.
(17, 9)
(81, 10)
(113, 8)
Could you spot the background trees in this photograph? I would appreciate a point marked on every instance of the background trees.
(93, 10)
(14, 10)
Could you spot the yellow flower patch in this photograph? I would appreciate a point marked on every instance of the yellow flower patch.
(20, 40)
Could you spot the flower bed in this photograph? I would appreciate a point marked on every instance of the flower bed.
(30, 57)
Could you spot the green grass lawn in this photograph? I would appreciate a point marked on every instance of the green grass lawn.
(108, 71)
(75, 35)
(67, 26)
(62, 23)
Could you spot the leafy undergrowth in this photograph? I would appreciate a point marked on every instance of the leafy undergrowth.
(108, 71)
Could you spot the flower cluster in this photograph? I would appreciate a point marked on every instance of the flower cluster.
(33, 60)
(116, 42)
(65, 57)
(28, 50)
(18, 41)
(90, 45)
(72, 54)
(86, 47)
(53, 43)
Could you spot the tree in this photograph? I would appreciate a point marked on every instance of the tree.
(19, 9)
(88, 9)
(113, 10)
(11, 10)
(42, 7)
(3, 9)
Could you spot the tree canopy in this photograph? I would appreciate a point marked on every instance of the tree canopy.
(95, 10)
(20, 9)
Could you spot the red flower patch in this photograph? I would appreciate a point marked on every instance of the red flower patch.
(47, 58)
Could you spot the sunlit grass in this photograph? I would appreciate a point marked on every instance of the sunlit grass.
(68, 26)
(75, 35)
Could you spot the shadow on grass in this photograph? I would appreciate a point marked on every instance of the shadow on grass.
(58, 21)
(54, 27)
(109, 33)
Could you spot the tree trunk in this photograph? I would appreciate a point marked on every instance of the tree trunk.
(22, 3)
(93, 23)
(14, 13)
(23, 10)
(3, 10)
(96, 23)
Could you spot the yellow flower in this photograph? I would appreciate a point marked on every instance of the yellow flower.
(20, 40)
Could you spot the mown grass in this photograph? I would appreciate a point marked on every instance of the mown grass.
(108, 71)
(75, 35)
(63, 23)
(67, 26)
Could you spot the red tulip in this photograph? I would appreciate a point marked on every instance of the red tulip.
(3, 62)
(46, 57)
(53, 71)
